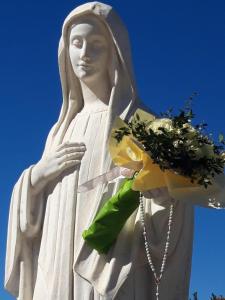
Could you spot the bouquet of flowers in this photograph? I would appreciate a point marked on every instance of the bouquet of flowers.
(173, 143)
(163, 152)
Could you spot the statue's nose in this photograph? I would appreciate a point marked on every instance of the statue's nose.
(84, 55)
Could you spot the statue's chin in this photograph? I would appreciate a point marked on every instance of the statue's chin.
(84, 74)
(87, 75)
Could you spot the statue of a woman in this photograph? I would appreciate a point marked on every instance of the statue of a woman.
(47, 257)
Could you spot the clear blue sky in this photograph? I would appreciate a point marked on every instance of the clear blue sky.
(178, 47)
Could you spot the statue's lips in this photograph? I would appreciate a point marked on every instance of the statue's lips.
(84, 66)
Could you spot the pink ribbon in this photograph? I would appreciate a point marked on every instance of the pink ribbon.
(104, 178)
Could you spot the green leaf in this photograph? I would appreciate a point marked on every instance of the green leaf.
(221, 138)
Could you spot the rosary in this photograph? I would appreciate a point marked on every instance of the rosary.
(158, 277)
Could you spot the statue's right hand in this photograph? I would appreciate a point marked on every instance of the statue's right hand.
(65, 156)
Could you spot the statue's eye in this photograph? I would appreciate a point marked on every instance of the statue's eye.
(77, 43)
(97, 44)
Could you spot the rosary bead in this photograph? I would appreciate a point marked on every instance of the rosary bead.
(147, 248)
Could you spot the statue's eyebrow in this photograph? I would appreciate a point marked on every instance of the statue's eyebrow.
(72, 35)
(97, 35)
(93, 36)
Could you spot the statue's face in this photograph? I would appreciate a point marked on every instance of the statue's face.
(89, 49)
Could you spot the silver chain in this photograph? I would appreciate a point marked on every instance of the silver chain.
(157, 278)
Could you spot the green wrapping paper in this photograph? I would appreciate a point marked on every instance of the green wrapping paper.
(111, 218)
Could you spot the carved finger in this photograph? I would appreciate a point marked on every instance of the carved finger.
(68, 145)
(71, 156)
(70, 150)
(69, 163)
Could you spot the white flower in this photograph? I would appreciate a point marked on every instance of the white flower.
(177, 143)
(157, 123)
(191, 131)
(189, 127)
(223, 156)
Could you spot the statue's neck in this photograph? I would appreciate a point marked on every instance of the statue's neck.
(96, 94)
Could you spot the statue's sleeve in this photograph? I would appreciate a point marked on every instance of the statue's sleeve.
(24, 234)
(213, 196)
(25, 221)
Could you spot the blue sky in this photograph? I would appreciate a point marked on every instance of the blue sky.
(178, 47)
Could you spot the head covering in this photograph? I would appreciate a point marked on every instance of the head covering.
(123, 99)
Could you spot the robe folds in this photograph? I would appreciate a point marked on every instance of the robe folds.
(59, 265)
(47, 257)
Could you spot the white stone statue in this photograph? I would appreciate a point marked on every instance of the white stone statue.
(47, 257)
